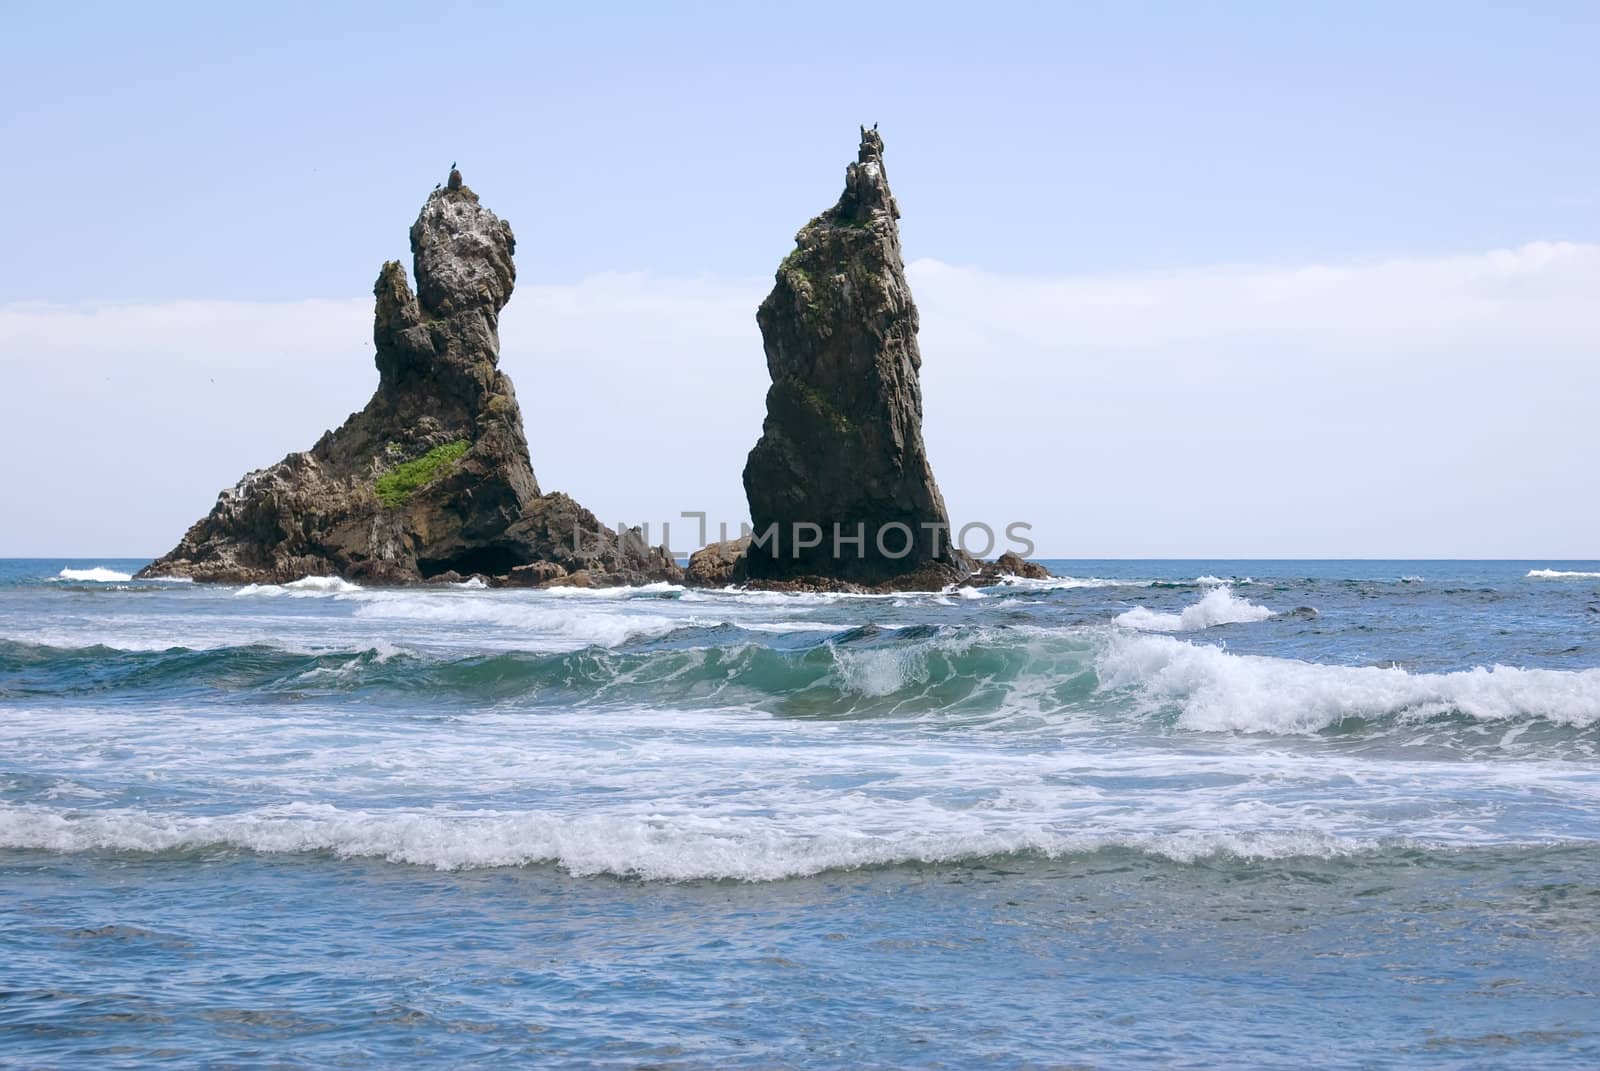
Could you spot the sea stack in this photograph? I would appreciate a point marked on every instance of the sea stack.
(431, 479)
(841, 448)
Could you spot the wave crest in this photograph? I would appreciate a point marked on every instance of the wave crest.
(1219, 691)
(1220, 606)
(305, 586)
(99, 574)
(1091, 679)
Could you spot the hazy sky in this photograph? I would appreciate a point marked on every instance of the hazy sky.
(1196, 280)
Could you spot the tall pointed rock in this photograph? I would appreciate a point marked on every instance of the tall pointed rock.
(842, 446)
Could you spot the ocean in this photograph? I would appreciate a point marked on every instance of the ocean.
(1179, 814)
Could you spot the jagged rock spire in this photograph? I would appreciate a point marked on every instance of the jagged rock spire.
(842, 441)
(446, 335)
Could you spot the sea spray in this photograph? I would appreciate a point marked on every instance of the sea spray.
(1218, 607)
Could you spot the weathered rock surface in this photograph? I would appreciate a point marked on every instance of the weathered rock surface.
(712, 566)
(432, 477)
(842, 442)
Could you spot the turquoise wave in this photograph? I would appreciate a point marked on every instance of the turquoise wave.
(1092, 677)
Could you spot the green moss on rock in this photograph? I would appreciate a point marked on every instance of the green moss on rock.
(820, 404)
(396, 486)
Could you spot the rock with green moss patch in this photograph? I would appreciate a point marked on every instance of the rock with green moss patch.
(432, 477)
(394, 487)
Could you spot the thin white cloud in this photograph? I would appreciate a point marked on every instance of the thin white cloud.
(1404, 406)
(1408, 407)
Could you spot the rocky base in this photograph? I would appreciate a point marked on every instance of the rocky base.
(932, 576)
(723, 565)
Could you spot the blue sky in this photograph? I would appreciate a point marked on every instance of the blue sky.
(1230, 279)
(265, 151)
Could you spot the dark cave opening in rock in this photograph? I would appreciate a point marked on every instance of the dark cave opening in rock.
(490, 561)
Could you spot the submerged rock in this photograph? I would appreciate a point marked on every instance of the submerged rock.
(1009, 565)
(841, 448)
(433, 476)
(532, 576)
(1013, 564)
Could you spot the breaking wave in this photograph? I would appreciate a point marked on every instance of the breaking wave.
(1095, 678)
(1218, 607)
(1560, 574)
(98, 574)
(1215, 690)
(307, 585)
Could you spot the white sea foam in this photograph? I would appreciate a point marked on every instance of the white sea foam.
(1560, 574)
(881, 671)
(525, 619)
(657, 847)
(1067, 583)
(134, 643)
(1218, 607)
(612, 594)
(305, 586)
(745, 600)
(98, 574)
(783, 627)
(319, 584)
(1218, 691)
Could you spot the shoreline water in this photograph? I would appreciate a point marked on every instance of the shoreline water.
(1107, 960)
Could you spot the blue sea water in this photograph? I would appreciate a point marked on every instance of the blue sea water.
(1182, 814)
